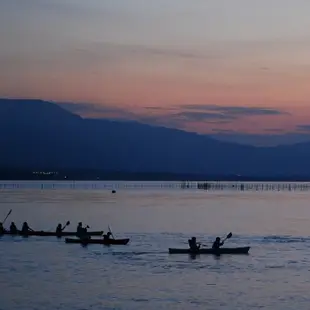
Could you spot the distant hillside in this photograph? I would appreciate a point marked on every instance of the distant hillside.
(43, 135)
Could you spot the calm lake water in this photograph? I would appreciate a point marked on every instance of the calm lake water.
(46, 273)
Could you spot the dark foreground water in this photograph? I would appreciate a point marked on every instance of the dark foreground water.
(46, 273)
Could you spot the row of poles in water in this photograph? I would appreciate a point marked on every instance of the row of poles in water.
(208, 186)
(253, 186)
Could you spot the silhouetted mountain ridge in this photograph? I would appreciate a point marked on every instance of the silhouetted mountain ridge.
(43, 135)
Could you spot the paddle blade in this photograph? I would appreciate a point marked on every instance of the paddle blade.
(68, 223)
(229, 236)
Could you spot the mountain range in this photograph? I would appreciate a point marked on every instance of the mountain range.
(38, 134)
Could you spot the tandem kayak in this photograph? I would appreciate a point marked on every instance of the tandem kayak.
(241, 250)
(98, 241)
(53, 234)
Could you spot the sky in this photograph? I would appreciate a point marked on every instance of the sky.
(230, 68)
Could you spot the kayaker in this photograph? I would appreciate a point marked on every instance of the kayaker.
(1, 228)
(59, 229)
(107, 236)
(217, 243)
(26, 228)
(81, 231)
(193, 245)
(13, 228)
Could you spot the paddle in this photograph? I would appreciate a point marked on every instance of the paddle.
(7, 216)
(67, 224)
(227, 237)
(111, 231)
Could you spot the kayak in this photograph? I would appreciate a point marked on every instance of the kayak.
(98, 241)
(52, 233)
(242, 250)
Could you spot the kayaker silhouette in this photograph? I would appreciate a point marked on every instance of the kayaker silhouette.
(1, 228)
(81, 231)
(26, 228)
(217, 243)
(13, 228)
(193, 245)
(59, 229)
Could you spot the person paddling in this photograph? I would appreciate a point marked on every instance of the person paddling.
(26, 228)
(81, 231)
(193, 245)
(217, 243)
(59, 229)
(13, 228)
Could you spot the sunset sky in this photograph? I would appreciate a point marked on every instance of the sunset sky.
(200, 65)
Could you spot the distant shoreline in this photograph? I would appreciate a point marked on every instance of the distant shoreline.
(95, 175)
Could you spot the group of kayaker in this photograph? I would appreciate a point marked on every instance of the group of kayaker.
(194, 246)
(81, 231)
(13, 229)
